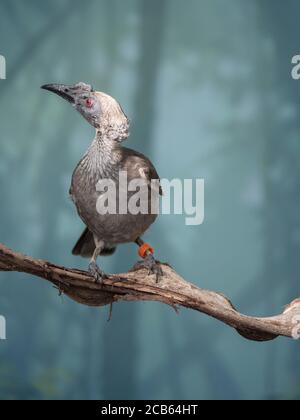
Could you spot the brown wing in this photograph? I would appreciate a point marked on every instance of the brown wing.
(137, 165)
(85, 246)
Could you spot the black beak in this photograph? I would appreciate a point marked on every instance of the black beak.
(63, 91)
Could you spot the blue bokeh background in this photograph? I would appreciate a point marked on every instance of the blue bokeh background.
(207, 85)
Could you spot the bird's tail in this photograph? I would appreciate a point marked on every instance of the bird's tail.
(85, 246)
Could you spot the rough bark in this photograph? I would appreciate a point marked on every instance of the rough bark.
(172, 290)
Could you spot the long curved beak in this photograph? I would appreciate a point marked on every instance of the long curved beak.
(63, 91)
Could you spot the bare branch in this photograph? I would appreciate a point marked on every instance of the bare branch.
(138, 286)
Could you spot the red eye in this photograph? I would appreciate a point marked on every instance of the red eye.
(89, 103)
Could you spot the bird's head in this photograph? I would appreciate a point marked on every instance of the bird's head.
(102, 111)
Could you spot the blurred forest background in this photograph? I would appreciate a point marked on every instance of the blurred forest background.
(208, 87)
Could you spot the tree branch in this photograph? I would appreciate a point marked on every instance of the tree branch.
(136, 285)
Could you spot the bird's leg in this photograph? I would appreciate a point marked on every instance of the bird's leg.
(94, 269)
(146, 252)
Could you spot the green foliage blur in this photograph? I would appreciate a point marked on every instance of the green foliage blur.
(207, 85)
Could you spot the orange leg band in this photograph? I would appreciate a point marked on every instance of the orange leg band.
(143, 249)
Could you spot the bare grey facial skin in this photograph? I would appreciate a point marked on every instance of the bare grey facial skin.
(102, 111)
(82, 97)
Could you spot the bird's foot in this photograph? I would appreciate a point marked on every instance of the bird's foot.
(150, 264)
(97, 273)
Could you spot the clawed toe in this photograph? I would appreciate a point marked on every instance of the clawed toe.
(97, 273)
(153, 267)
(157, 271)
